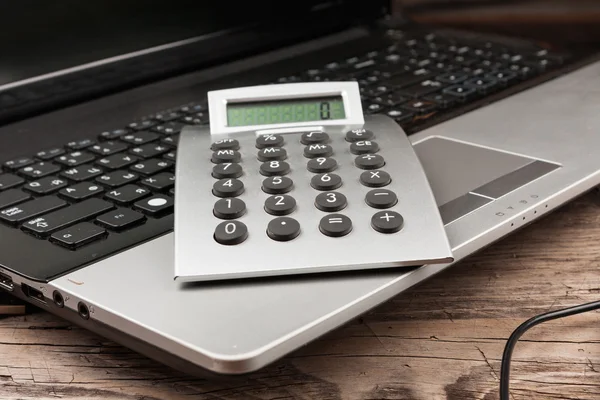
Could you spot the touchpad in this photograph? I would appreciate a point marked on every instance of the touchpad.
(462, 173)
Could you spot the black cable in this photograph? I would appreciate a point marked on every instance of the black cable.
(524, 327)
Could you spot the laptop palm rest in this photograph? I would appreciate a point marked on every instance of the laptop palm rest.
(465, 177)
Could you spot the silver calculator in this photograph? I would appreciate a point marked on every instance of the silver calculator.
(294, 179)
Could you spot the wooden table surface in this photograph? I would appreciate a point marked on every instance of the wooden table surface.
(442, 340)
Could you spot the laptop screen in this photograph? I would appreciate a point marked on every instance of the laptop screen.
(39, 37)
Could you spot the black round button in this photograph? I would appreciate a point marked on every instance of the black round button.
(375, 178)
(318, 150)
(314, 137)
(381, 198)
(280, 204)
(387, 222)
(335, 225)
(326, 181)
(321, 164)
(226, 156)
(229, 208)
(228, 187)
(277, 185)
(270, 168)
(272, 153)
(226, 144)
(364, 147)
(231, 232)
(359, 134)
(269, 141)
(283, 229)
(331, 201)
(369, 161)
(227, 170)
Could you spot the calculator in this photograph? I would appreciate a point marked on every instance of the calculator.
(293, 179)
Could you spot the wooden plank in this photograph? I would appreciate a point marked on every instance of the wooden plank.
(441, 340)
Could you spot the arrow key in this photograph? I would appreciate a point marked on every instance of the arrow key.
(81, 191)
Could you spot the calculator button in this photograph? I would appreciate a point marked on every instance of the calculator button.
(375, 178)
(318, 150)
(369, 161)
(381, 198)
(225, 144)
(272, 153)
(335, 225)
(364, 147)
(226, 156)
(283, 229)
(229, 208)
(326, 181)
(227, 170)
(314, 137)
(231, 232)
(269, 141)
(228, 188)
(331, 201)
(277, 185)
(321, 164)
(270, 168)
(387, 222)
(359, 134)
(280, 204)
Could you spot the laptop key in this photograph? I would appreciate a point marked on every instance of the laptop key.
(117, 161)
(442, 100)
(150, 150)
(11, 197)
(45, 186)
(167, 116)
(400, 116)
(75, 158)
(81, 191)
(120, 219)
(422, 89)
(111, 135)
(80, 144)
(82, 172)
(483, 85)
(44, 225)
(171, 140)
(141, 125)
(462, 93)
(151, 166)
(108, 148)
(127, 194)
(421, 106)
(39, 170)
(30, 209)
(117, 178)
(159, 182)
(140, 138)
(157, 205)
(506, 78)
(49, 154)
(8, 181)
(78, 235)
(170, 128)
(17, 163)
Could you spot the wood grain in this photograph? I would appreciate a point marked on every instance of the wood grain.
(441, 340)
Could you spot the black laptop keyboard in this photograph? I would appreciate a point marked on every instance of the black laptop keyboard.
(78, 193)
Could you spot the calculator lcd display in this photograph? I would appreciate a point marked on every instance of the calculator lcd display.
(285, 111)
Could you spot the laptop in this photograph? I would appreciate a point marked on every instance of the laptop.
(506, 130)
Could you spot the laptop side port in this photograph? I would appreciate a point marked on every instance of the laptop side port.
(33, 293)
(6, 282)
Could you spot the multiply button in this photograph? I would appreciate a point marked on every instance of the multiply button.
(387, 221)
(277, 185)
(269, 141)
(283, 229)
(227, 170)
(228, 188)
(326, 181)
(272, 153)
(314, 137)
(359, 134)
(321, 164)
(335, 225)
(369, 161)
(229, 208)
(375, 178)
(318, 150)
(381, 198)
(364, 147)
(226, 156)
(226, 144)
(231, 232)
(330, 201)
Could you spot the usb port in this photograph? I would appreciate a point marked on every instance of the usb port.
(6, 282)
(33, 293)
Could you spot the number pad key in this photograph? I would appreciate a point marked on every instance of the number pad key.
(381, 198)
(335, 225)
(264, 141)
(227, 170)
(226, 156)
(364, 147)
(356, 135)
(314, 137)
(283, 229)
(369, 161)
(321, 164)
(231, 233)
(326, 181)
(228, 188)
(318, 150)
(280, 204)
(277, 185)
(271, 168)
(387, 222)
(331, 201)
(375, 178)
(229, 208)
(272, 153)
